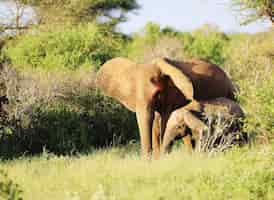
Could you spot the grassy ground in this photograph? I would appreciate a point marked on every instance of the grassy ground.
(119, 173)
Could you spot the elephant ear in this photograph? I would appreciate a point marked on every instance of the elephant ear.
(182, 82)
(116, 78)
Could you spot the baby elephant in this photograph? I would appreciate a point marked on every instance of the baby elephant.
(192, 120)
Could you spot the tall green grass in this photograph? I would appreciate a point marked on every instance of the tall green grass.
(119, 173)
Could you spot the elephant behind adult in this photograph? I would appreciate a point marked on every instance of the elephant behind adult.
(190, 120)
(160, 87)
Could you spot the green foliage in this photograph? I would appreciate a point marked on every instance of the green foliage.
(8, 189)
(61, 11)
(148, 37)
(259, 103)
(154, 41)
(74, 119)
(250, 62)
(206, 43)
(67, 47)
(265, 97)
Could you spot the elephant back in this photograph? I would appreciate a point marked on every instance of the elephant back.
(209, 80)
(223, 105)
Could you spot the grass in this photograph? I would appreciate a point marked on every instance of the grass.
(119, 173)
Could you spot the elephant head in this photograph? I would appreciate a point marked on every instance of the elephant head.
(161, 86)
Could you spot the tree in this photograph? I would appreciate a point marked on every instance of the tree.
(76, 11)
(253, 10)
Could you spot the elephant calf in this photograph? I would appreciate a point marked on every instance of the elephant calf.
(189, 120)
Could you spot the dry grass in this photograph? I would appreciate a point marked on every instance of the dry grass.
(26, 88)
(223, 133)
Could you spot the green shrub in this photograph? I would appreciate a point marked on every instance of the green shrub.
(143, 41)
(55, 111)
(66, 128)
(208, 44)
(80, 123)
(259, 105)
(250, 63)
(65, 47)
(154, 41)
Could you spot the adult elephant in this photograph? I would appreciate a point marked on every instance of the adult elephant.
(159, 88)
(189, 122)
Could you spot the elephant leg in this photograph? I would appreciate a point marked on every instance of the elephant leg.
(156, 136)
(164, 120)
(194, 123)
(145, 117)
(197, 127)
(169, 136)
(175, 126)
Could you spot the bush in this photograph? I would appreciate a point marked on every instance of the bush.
(259, 105)
(155, 42)
(78, 125)
(65, 47)
(208, 44)
(250, 63)
(55, 111)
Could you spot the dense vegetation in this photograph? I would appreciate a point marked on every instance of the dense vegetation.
(53, 108)
(47, 77)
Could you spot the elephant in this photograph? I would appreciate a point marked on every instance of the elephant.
(153, 90)
(190, 121)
